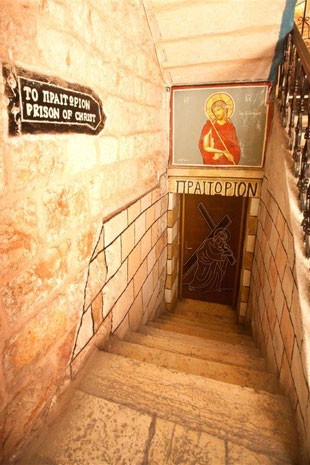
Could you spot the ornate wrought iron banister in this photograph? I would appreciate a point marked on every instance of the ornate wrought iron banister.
(294, 103)
(302, 22)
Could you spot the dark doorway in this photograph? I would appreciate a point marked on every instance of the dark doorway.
(213, 233)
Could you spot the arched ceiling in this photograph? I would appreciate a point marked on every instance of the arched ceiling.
(208, 41)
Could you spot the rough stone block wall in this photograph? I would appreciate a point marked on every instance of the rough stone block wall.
(126, 273)
(64, 231)
(171, 291)
(279, 313)
(247, 262)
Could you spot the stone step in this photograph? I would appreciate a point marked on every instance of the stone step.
(202, 317)
(95, 431)
(258, 380)
(195, 307)
(243, 356)
(261, 422)
(240, 339)
(210, 323)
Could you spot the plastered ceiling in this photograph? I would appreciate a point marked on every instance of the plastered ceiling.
(206, 41)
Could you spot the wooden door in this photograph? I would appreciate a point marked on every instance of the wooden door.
(213, 231)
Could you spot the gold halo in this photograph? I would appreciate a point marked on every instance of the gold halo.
(220, 96)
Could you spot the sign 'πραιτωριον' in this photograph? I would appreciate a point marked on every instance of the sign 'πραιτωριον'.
(225, 187)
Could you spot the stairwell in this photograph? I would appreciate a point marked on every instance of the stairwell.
(189, 388)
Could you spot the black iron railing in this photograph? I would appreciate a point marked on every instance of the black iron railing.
(294, 103)
(302, 20)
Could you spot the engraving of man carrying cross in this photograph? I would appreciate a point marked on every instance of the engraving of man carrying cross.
(205, 270)
(218, 141)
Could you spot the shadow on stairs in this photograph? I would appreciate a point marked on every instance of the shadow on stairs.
(189, 388)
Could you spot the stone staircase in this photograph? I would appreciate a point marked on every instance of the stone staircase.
(190, 388)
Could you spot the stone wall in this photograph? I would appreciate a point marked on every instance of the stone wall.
(173, 262)
(278, 301)
(83, 246)
(247, 262)
(126, 273)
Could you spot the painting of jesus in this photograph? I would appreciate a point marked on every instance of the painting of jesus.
(218, 141)
(219, 125)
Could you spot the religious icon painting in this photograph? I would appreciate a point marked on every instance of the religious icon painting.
(219, 125)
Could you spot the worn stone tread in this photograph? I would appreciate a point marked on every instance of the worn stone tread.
(238, 455)
(210, 323)
(260, 421)
(94, 431)
(206, 308)
(233, 354)
(189, 364)
(202, 317)
(241, 339)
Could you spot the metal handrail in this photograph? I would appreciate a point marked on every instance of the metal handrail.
(303, 51)
(294, 102)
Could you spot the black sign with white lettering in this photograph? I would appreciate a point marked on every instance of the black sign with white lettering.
(39, 104)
